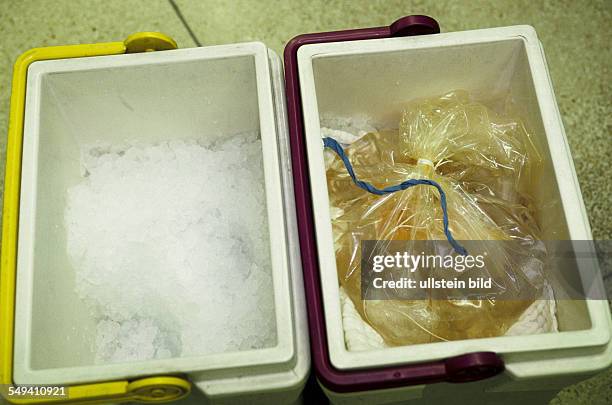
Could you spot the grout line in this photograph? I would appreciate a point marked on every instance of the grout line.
(185, 24)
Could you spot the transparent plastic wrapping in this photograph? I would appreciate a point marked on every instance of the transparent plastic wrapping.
(486, 163)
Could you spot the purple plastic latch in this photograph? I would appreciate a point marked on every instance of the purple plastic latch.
(463, 368)
(473, 367)
(414, 25)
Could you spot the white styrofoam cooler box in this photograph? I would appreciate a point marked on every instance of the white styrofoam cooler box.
(372, 79)
(73, 102)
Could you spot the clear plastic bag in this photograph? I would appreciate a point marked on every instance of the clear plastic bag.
(486, 163)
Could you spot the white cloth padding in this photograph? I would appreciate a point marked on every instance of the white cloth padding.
(539, 317)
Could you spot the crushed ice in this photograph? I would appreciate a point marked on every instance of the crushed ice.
(169, 243)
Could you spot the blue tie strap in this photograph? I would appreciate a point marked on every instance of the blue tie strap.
(336, 147)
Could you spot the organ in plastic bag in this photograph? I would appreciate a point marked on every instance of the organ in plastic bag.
(487, 164)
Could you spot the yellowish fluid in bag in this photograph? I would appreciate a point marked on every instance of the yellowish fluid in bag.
(486, 164)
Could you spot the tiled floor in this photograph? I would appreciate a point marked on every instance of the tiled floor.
(576, 37)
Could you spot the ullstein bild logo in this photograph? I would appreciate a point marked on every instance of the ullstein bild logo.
(500, 270)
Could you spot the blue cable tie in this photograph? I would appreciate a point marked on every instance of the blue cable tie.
(336, 147)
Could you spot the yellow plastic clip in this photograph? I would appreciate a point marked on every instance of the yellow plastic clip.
(152, 389)
(158, 389)
(148, 42)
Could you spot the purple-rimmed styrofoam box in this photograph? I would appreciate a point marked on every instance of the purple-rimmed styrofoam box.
(371, 73)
